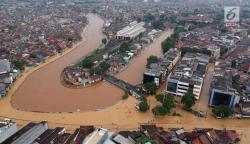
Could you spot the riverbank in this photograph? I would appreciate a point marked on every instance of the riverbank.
(122, 115)
(42, 91)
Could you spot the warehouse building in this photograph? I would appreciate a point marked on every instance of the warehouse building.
(7, 129)
(130, 32)
(27, 134)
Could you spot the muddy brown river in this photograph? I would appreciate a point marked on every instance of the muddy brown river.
(42, 90)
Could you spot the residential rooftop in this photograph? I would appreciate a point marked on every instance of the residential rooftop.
(192, 68)
(4, 66)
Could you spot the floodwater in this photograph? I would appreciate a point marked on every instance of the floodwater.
(43, 92)
(134, 72)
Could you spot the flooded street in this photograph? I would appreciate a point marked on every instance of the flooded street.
(42, 91)
(134, 72)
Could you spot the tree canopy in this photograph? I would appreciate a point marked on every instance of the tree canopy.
(148, 18)
(95, 71)
(33, 55)
(18, 64)
(151, 59)
(158, 24)
(160, 110)
(167, 101)
(124, 47)
(125, 96)
(87, 62)
(188, 100)
(222, 111)
(151, 87)
(167, 44)
(104, 40)
(143, 106)
(171, 41)
(104, 65)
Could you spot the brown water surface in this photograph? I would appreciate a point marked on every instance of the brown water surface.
(43, 92)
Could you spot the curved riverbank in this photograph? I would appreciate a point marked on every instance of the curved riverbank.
(42, 91)
(122, 115)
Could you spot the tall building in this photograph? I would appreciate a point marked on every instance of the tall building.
(157, 72)
(188, 75)
(222, 91)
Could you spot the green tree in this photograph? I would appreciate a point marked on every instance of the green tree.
(159, 97)
(168, 43)
(124, 47)
(95, 71)
(160, 110)
(125, 96)
(18, 64)
(167, 101)
(188, 100)
(104, 40)
(158, 24)
(87, 62)
(151, 87)
(104, 65)
(143, 106)
(33, 55)
(148, 18)
(233, 64)
(151, 59)
(222, 111)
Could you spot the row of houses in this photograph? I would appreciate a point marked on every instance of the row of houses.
(34, 37)
(188, 75)
(40, 133)
(7, 76)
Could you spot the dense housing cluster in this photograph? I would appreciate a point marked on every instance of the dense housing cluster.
(116, 56)
(30, 32)
(8, 75)
(40, 133)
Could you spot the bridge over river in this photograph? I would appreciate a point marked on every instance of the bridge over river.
(133, 90)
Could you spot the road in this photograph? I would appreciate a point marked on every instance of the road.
(202, 103)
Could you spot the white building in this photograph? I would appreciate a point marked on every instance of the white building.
(157, 72)
(97, 137)
(4, 66)
(215, 51)
(188, 75)
(7, 129)
(130, 32)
